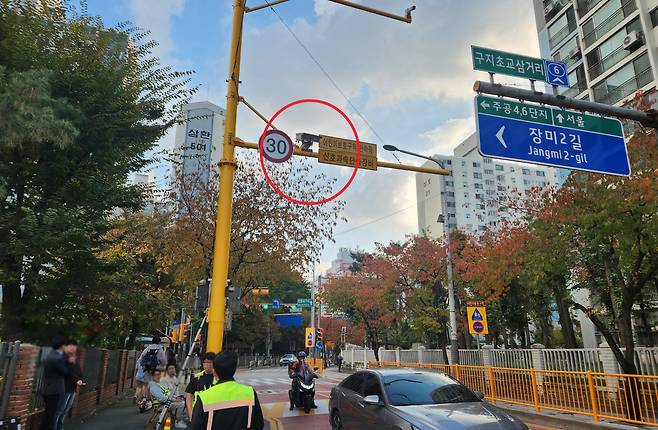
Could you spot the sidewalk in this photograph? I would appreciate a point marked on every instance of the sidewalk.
(123, 414)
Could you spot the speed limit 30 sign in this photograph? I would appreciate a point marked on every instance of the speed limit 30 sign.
(277, 146)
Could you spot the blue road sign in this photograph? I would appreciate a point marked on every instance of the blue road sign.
(478, 327)
(318, 346)
(477, 316)
(276, 303)
(556, 73)
(554, 137)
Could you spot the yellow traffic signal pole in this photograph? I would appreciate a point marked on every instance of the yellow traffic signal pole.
(227, 165)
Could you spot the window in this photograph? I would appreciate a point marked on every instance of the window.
(624, 81)
(450, 204)
(476, 164)
(451, 194)
(500, 178)
(450, 184)
(487, 161)
(451, 215)
(561, 28)
(489, 182)
(479, 206)
(479, 196)
(604, 19)
(488, 172)
(526, 182)
(448, 162)
(452, 225)
(526, 171)
(354, 382)
(513, 180)
(540, 173)
(463, 163)
(499, 167)
(501, 188)
(477, 175)
(491, 192)
(482, 228)
(654, 17)
(371, 386)
(511, 169)
(468, 216)
(478, 186)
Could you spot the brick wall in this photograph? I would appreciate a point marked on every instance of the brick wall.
(20, 400)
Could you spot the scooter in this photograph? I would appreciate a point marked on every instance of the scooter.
(303, 395)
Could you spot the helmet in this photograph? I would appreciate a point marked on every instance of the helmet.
(301, 354)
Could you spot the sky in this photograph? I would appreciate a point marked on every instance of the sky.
(409, 85)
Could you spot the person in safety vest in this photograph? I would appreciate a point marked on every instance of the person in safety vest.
(200, 381)
(227, 405)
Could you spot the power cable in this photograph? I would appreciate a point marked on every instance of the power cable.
(385, 216)
(326, 74)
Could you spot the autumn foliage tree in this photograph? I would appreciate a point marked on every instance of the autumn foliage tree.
(272, 240)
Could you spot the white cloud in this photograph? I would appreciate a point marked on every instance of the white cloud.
(449, 134)
(156, 16)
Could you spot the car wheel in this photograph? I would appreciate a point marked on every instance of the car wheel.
(336, 423)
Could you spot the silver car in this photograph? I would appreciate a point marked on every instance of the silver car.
(399, 399)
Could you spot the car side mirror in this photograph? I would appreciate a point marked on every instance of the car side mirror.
(479, 395)
(373, 400)
(316, 368)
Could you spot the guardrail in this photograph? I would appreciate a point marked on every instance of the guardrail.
(615, 396)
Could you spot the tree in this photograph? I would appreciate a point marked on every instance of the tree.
(80, 105)
(365, 300)
(272, 239)
(612, 227)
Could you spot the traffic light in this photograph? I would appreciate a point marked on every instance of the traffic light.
(320, 335)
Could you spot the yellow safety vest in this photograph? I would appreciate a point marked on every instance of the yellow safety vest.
(227, 395)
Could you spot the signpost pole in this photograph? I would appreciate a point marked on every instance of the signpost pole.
(312, 351)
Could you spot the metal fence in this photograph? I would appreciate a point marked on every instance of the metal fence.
(517, 358)
(8, 358)
(582, 360)
(37, 398)
(91, 369)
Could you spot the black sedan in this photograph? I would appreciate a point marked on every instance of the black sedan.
(399, 399)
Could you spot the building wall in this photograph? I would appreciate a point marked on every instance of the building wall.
(474, 190)
(588, 36)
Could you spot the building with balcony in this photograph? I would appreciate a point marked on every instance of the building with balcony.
(475, 193)
(609, 46)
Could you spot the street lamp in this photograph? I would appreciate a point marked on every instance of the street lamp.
(454, 345)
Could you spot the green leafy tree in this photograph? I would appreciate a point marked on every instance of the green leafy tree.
(80, 105)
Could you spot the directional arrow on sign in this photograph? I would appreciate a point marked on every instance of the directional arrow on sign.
(560, 118)
(485, 105)
(499, 135)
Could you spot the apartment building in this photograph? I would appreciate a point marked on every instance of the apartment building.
(609, 46)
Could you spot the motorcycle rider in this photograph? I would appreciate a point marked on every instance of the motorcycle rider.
(297, 371)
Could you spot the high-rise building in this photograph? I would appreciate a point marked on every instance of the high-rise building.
(342, 264)
(475, 191)
(609, 46)
(199, 142)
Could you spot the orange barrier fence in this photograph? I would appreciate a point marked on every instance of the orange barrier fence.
(628, 398)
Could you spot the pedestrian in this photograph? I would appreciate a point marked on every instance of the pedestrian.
(161, 392)
(54, 372)
(227, 405)
(73, 380)
(170, 379)
(139, 382)
(153, 357)
(200, 381)
(339, 362)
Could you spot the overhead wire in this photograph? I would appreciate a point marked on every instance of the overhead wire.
(326, 74)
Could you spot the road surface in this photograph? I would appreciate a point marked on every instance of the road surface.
(272, 387)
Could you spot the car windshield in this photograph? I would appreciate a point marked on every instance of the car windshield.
(425, 389)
